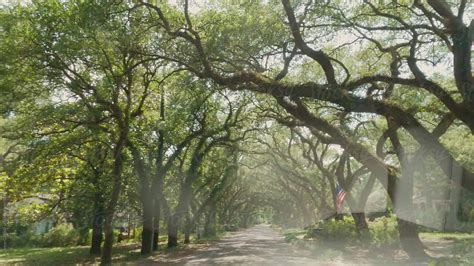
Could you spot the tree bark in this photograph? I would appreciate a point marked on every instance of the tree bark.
(97, 223)
(409, 239)
(175, 221)
(173, 231)
(210, 224)
(187, 230)
(156, 227)
(360, 222)
(110, 210)
(147, 233)
(145, 199)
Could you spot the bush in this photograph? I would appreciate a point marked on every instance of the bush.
(138, 235)
(231, 227)
(291, 235)
(62, 235)
(384, 231)
(25, 240)
(381, 231)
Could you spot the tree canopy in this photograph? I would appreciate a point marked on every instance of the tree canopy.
(190, 115)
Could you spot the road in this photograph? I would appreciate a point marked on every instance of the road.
(259, 245)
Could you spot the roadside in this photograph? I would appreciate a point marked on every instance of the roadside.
(259, 245)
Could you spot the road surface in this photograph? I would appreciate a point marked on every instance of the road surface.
(262, 245)
(259, 245)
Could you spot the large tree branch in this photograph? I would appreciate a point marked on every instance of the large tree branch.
(319, 56)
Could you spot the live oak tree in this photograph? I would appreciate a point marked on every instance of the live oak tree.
(94, 59)
(149, 86)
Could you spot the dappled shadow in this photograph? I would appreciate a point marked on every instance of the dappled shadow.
(261, 245)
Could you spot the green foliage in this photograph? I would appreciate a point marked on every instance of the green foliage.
(64, 256)
(382, 231)
(25, 240)
(339, 230)
(78, 74)
(292, 235)
(62, 235)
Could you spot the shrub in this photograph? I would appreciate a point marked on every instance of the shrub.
(339, 230)
(382, 231)
(231, 227)
(25, 240)
(138, 234)
(62, 235)
(291, 235)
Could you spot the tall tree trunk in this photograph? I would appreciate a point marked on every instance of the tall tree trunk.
(210, 224)
(402, 198)
(156, 226)
(173, 230)
(175, 221)
(157, 183)
(109, 231)
(147, 233)
(98, 215)
(408, 231)
(146, 200)
(187, 229)
(97, 223)
(110, 210)
(402, 201)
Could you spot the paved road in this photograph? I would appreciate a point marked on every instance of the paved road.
(259, 245)
(262, 245)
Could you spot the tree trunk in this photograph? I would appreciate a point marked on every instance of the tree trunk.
(401, 196)
(175, 220)
(173, 231)
(409, 239)
(109, 239)
(110, 211)
(147, 233)
(360, 222)
(156, 232)
(187, 230)
(97, 238)
(339, 217)
(210, 224)
(97, 222)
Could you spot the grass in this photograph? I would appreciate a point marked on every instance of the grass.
(339, 243)
(123, 253)
(447, 236)
(452, 248)
(294, 234)
(65, 256)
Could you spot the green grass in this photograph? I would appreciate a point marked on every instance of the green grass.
(293, 234)
(445, 247)
(458, 248)
(65, 256)
(446, 236)
(122, 253)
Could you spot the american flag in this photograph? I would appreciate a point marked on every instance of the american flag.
(340, 195)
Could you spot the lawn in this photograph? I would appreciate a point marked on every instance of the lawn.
(444, 248)
(65, 256)
(122, 253)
